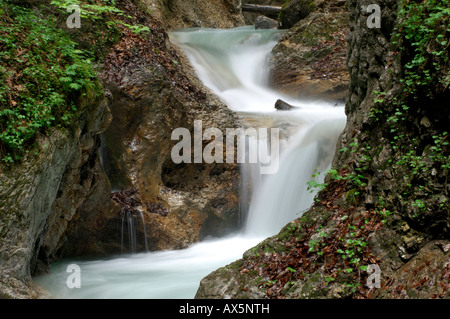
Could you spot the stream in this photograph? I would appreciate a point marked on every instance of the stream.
(232, 63)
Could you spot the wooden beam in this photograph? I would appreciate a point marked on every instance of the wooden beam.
(270, 11)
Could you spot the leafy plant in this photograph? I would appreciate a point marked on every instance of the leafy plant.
(44, 77)
(101, 10)
(423, 29)
(315, 185)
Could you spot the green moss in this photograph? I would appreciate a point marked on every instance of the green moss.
(260, 280)
(310, 287)
(46, 69)
(235, 265)
(253, 273)
(312, 56)
(288, 231)
(268, 249)
(350, 196)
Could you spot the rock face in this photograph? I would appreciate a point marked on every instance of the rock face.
(179, 14)
(40, 197)
(60, 203)
(309, 61)
(293, 11)
(153, 92)
(374, 232)
(262, 22)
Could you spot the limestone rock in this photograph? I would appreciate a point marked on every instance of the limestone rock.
(179, 14)
(263, 22)
(294, 11)
(158, 98)
(40, 196)
(310, 60)
(280, 105)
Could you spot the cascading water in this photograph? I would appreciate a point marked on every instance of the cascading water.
(129, 225)
(310, 131)
(232, 63)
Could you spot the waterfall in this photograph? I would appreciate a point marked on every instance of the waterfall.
(232, 63)
(129, 226)
(284, 196)
(145, 230)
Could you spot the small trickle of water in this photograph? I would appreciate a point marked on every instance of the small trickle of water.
(145, 231)
(129, 230)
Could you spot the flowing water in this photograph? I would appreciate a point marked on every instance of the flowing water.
(233, 64)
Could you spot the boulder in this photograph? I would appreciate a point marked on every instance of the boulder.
(179, 14)
(309, 62)
(280, 105)
(152, 96)
(263, 22)
(293, 11)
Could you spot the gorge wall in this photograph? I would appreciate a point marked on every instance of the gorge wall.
(309, 61)
(60, 202)
(179, 14)
(152, 95)
(40, 197)
(384, 207)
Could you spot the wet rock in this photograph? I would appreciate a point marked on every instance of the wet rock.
(44, 194)
(309, 62)
(280, 105)
(229, 282)
(179, 201)
(179, 14)
(263, 22)
(294, 11)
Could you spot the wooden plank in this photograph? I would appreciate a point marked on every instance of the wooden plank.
(270, 11)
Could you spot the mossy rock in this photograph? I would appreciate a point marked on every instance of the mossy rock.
(293, 11)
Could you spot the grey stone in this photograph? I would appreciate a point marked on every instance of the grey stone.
(263, 22)
(295, 11)
(280, 105)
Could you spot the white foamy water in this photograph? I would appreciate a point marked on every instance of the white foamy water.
(310, 131)
(157, 275)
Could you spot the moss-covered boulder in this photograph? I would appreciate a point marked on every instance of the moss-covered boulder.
(310, 60)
